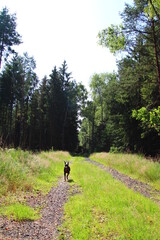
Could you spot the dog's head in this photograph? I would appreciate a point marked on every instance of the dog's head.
(66, 164)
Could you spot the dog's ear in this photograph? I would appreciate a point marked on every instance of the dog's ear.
(64, 162)
(68, 163)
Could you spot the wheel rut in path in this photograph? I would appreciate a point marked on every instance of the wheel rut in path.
(140, 187)
(46, 228)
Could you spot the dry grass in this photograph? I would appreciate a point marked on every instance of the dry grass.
(56, 156)
(38, 161)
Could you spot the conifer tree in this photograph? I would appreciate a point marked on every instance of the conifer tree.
(8, 34)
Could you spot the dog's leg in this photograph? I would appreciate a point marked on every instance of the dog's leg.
(64, 177)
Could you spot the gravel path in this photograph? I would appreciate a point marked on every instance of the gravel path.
(44, 228)
(143, 188)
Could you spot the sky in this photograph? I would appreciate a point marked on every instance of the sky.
(56, 30)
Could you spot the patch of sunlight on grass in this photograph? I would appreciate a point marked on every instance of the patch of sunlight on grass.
(42, 185)
(19, 212)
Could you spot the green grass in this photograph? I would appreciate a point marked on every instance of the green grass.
(19, 212)
(24, 173)
(132, 165)
(106, 209)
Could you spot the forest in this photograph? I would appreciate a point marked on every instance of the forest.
(123, 113)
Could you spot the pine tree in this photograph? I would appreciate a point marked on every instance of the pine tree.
(8, 34)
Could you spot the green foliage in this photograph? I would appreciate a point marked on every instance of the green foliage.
(8, 34)
(153, 8)
(18, 81)
(141, 114)
(113, 38)
(137, 84)
(114, 149)
(149, 119)
(98, 129)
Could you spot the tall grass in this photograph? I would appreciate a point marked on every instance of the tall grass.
(22, 170)
(14, 171)
(106, 209)
(135, 166)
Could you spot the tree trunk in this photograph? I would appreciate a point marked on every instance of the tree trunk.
(156, 54)
(93, 126)
(63, 128)
(1, 52)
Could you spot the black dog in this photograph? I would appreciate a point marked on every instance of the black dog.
(66, 170)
